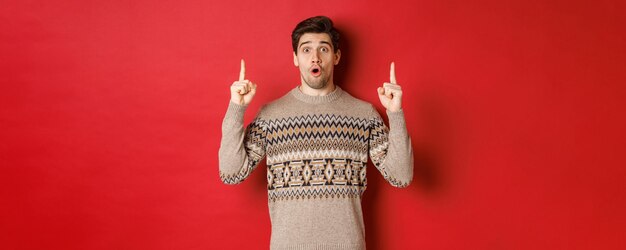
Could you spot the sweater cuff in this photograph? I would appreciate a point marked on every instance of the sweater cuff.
(235, 112)
(396, 119)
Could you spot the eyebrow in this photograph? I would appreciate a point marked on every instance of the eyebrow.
(322, 42)
(325, 42)
(304, 43)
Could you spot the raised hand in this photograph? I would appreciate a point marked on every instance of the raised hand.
(390, 94)
(242, 91)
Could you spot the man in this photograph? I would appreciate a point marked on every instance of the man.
(316, 139)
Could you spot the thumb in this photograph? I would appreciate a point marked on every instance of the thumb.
(381, 91)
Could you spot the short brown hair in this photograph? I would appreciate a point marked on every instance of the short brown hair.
(318, 24)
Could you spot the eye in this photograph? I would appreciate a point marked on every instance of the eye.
(306, 50)
(324, 49)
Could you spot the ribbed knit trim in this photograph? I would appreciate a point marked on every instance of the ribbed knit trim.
(236, 112)
(396, 119)
(327, 246)
(237, 107)
(317, 99)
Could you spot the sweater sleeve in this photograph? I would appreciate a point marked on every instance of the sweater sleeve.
(240, 150)
(390, 149)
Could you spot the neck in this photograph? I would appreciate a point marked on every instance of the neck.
(321, 99)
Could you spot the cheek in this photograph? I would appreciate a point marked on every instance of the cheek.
(302, 67)
(330, 58)
(301, 60)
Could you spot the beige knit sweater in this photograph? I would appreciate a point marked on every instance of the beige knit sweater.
(316, 149)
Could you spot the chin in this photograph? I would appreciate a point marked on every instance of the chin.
(319, 85)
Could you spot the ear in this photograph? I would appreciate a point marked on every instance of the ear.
(295, 59)
(337, 56)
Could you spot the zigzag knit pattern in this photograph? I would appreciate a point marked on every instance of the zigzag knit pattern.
(316, 150)
(315, 156)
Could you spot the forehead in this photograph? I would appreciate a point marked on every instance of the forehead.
(314, 38)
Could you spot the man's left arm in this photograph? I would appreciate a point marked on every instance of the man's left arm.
(390, 149)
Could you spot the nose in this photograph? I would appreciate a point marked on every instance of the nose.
(315, 58)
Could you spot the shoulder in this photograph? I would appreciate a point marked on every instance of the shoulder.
(358, 106)
(275, 107)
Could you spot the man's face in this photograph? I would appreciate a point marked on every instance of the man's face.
(316, 59)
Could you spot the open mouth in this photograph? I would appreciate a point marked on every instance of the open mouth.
(316, 71)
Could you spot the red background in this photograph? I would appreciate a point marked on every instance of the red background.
(110, 118)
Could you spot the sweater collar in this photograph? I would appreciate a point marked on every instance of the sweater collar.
(317, 99)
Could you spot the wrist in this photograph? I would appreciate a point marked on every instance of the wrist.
(394, 109)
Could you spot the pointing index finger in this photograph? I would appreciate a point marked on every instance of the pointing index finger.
(242, 72)
(392, 73)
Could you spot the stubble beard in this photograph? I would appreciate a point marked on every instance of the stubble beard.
(317, 83)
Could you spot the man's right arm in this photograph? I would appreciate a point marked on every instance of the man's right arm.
(240, 150)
